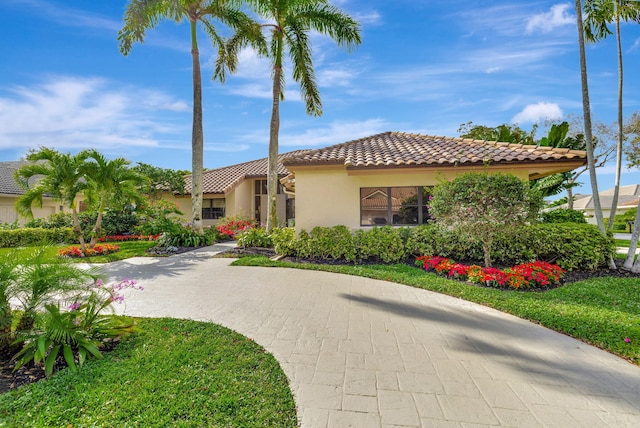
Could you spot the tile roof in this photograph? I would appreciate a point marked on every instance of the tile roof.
(8, 185)
(223, 180)
(398, 149)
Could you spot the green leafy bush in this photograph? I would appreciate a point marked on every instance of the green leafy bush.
(255, 237)
(31, 236)
(481, 205)
(184, 236)
(563, 215)
(159, 217)
(284, 240)
(381, 243)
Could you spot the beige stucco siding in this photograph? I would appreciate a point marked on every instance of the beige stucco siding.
(330, 197)
(8, 213)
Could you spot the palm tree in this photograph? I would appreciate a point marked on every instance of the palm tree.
(289, 27)
(599, 13)
(108, 181)
(142, 15)
(588, 136)
(53, 174)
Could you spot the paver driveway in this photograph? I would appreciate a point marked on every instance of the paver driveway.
(368, 353)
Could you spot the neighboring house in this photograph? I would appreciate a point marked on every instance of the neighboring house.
(10, 192)
(627, 198)
(387, 178)
(239, 190)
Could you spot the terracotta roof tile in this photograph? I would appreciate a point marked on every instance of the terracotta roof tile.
(223, 180)
(400, 149)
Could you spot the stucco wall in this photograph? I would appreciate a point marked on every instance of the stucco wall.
(331, 197)
(8, 213)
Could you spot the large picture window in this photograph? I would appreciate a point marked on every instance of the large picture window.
(394, 205)
(213, 209)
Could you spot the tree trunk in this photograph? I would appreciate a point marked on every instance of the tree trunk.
(97, 229)
(486, 248)
(616, 189)
(197, 136)
(588, 137)
(272, 171)
(569, 198)
(633, 245)
(77, 230)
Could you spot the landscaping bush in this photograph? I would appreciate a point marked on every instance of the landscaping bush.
(255, 237)
(229, 227)
(284, 240)
(184, 236)
(569, 245)
(31, 236)
(563, 215)
(381, 243)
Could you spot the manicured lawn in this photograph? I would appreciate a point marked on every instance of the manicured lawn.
(127, 249)
(623, 243)
(173, 373)
(599, 311)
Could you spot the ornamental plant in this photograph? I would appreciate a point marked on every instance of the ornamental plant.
(125, 238)
(481, 205)
(537, 274)
(76, 327)
(230, 227)
(98, 250)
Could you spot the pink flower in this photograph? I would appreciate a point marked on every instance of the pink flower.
(627, 340)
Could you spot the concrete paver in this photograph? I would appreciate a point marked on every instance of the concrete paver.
(367, 353)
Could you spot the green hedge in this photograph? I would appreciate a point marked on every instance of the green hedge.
(570, 245)
(35, 236)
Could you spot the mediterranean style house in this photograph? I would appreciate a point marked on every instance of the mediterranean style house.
(10, 192)
(384, 179)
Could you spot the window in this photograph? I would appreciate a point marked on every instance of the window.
(261, 187)
(394, 205)
(213, 209)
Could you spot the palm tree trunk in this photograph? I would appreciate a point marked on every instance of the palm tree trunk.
(588, 137)
(569, 198)
(197, 135)
(272, 171)
(97, 229)
(633, 245)
(616, 188)
(77, 229)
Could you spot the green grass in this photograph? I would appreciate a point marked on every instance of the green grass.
(174, 373)
(599, 311)
(623, 243)
(127, 250)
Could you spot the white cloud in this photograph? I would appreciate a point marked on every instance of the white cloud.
(635, 45)
(367, 18)
(335, 133)
(67, 16)
(335, 77)
(546, 22)
(536, 112)
(68, 112)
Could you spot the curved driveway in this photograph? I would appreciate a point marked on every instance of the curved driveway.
(367, 353)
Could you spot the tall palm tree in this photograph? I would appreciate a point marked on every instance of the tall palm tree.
(600, 13)
(54, 174)
(290, 22)
(108, 181)
(588, 135)
(142, 15)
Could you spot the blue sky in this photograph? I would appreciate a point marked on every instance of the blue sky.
(424, 66)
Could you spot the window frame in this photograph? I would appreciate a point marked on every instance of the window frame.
(421, 204)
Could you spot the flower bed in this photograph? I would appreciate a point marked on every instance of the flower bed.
(123, 238)
(98, 250)
(534, 275)
(229, 229)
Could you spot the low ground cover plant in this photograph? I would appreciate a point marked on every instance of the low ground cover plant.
(128, 237)
(535, 275)
(98, 250)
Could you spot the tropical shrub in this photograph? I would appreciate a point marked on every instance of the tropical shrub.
(229, 227)
(9, 226)
(25, 237)
(562, 215)
(158, 217)
(77, 331)
(381, 243)
(481, 205)
(535, 275)
(125, 238)
(98, 250)
(255, 237)
(284, 240)
(184, 236)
